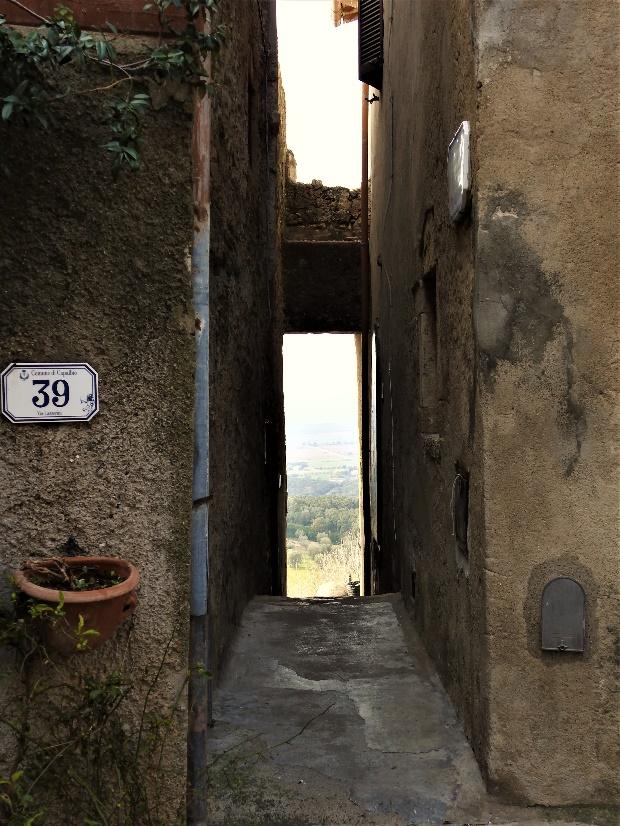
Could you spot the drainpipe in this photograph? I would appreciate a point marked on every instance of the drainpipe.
(199, 685)
(365, 288)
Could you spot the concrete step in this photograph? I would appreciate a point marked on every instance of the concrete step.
(329, 712)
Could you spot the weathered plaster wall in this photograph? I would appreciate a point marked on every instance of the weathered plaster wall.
(247, 434)
(547, 322)
(96, 269)
(497, 356)
(425, 408)
(281, 156)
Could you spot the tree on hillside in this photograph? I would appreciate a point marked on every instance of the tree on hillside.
(343, 560)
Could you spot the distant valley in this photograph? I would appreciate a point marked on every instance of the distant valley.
(322, 460)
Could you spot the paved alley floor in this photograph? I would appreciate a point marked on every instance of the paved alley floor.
(330, 713)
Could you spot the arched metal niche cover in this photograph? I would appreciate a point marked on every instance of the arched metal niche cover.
(563, 617)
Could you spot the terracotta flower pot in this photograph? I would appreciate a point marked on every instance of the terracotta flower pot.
(103, 610)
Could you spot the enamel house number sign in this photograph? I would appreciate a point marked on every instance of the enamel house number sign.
(49, 393)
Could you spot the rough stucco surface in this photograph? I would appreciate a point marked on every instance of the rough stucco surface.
(521, 391)
(420, 441)
(547, 320)
(247, 435)
(95, 270)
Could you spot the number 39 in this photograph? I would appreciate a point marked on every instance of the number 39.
(60, 393)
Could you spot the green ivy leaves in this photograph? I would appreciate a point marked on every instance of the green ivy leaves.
(17, 802)
(29, 60)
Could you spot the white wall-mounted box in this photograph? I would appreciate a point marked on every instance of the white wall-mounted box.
(459, 172)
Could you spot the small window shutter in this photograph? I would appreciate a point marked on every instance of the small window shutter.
(371, 42)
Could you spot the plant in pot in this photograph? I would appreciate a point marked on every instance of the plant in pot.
(78, 602)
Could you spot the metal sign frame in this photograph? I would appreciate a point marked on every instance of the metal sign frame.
(90, 403)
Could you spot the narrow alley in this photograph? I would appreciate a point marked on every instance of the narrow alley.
(330, 712)
(309, 480)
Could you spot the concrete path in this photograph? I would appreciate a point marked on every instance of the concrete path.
(329, 713)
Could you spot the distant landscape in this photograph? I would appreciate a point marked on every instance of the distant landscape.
(323, 509)
(322, 460)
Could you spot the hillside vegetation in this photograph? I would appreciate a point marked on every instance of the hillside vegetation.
(323, 531)
(317, 517)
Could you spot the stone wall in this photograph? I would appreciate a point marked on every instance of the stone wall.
(95, 269)
(315, 212)
(247, 413)
(321, 259)
(496, 339)
(422, 282)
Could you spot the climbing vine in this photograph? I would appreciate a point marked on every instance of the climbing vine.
(91, 745)
(32, 63)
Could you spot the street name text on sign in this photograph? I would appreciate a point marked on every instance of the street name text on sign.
(49, 392)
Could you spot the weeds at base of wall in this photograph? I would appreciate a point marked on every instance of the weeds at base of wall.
(80, 756)
(241, 782)
(595, 815)
(242, 788)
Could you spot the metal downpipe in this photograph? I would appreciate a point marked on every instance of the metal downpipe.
(199, 684)
(365, 289)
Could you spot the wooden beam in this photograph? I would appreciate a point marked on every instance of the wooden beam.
(127, 15)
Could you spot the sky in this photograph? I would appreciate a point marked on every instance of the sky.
(318, 62)
(320, 380)
(323, 94)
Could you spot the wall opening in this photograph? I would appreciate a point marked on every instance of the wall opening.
(427, 320)
(321, 401)
(460, 517)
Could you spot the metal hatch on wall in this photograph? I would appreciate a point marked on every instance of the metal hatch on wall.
(563, 616)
